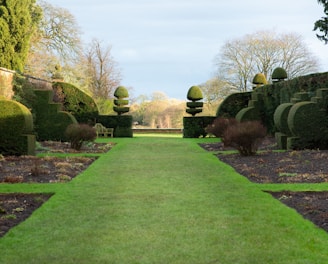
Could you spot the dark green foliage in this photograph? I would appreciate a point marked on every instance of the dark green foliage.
(195, 104)
(194, 111)
(279, 74)
(194, 94)
(244, 136)
(79, 133)
(232, 104)
(50, 123)
(16, 133)
(23, 90)
(18, 20)
(280, 118)
(121, 92)
(76, 102)
(120, 104)
(219, 126)
(307, 122)
(248, 114)
(122, 124)
(194, 127)
(322, 24)
(267, 98)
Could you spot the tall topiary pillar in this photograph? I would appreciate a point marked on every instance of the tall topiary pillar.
(194, 95)
(120, 102)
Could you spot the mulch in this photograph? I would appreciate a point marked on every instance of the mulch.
(16, 207)
(270, 166)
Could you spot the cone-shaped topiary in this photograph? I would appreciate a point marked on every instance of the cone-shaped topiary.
(121, 92)
(120, 103)
(259, 80)
(194, 94)
(279, 74)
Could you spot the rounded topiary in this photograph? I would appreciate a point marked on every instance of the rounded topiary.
(306, 121)
(16, 131)
(121, 92)
(248, 114)
(279, 74)
(259, 79)
(120, 103)
(280, 118)
(194, 94)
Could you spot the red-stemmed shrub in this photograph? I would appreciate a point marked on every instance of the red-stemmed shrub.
(244, 136)
(219, 126)
(78, 133)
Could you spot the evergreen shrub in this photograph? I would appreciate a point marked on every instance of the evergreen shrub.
(75, 101)
(120, 103)
(194, 94)
(194, 127)
(50, 123)
(16, 129)
(122, 124)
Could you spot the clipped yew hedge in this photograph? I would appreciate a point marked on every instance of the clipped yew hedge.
(16, 133)
(76, 102)
(50, 121)
(122, 124)
(194, 127)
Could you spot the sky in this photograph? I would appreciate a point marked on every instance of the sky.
(171, 45)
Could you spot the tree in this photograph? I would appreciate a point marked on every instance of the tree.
(322, 24)
(57, 41)
(59, 31)
(101, 70)
(240, 59)
(18, 20)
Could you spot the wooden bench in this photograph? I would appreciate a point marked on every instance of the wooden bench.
(103, 131)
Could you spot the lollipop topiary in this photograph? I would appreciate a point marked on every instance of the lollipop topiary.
(259, 80)
(121, 103)
(194, 95)
(279, 74)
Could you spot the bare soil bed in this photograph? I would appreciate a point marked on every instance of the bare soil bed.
(15, 208)
(270, 166)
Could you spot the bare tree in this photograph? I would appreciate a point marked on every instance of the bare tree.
(59, 31)
(103, 75)
(240, 59)
(56, 42)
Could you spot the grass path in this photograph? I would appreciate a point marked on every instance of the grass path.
(161, 200)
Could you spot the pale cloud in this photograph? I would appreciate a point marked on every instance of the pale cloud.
(170, 45)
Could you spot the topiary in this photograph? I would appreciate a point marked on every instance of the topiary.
(16, 133)
(194, 94)
(279, 74)
(75, 101)
(120, 103)
(307, 122)
(259, 80)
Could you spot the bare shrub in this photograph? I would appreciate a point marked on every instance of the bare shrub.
(244, 136)
(219, 125)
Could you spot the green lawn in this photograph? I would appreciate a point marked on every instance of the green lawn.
(162, 200)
